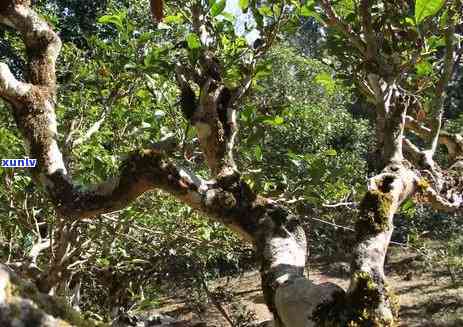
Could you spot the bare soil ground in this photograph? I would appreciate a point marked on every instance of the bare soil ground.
(427, 296)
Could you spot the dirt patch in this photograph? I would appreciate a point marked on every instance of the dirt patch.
(427, 297)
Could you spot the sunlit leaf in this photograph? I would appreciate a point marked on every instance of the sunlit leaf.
(275, 122)
(229, 17)
(177, 19)
(244, 4)
(278, 120)
(258, 153)
(193, 41)
(117, 20)
(410, 21)
(443, 21)
(265, 11)
(423, 68)
(325, 80)
(306, 11)
(408, 204)
(436, 42)
(218, 7)
(426, 8)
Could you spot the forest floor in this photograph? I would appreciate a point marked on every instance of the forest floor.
(427, 295)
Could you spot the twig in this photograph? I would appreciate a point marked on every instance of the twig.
(349, 229)
(444, 80)
(341, 204)
(37, 248)
(215, 302)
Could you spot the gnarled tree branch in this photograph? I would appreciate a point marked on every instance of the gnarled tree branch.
(453, 142)
(275, 232)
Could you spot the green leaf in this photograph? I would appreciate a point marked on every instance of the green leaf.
(255, 137)
(278, 120)
(193, 41)
(306, 11)
(331, 152)
(408, 205)
(325, 80)
(265, 11)
(424, 68)
(229, 17)
(426, 8)
(275, 122)
(244, 4)
(312, 199)
(117, 20)
(177, 19)
(258, 153)
(276, 9)
(410, 21)
(444, 19)
(218, 7)
(435, 42)
(205, 233)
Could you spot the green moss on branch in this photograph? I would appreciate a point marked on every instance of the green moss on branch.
(375, 211)
(357, 308)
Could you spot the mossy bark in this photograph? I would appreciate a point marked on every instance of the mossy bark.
(369, 301)
(369, 291)
(21, 304)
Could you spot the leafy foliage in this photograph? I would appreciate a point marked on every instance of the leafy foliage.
(424, 9)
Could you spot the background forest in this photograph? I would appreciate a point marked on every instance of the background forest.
(306, 140)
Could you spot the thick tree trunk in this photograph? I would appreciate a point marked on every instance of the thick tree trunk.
(369, 292)
(369, 300)
(282, 247)
(370, 297)
(21, 304)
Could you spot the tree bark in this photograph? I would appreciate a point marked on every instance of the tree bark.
(21, 304)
